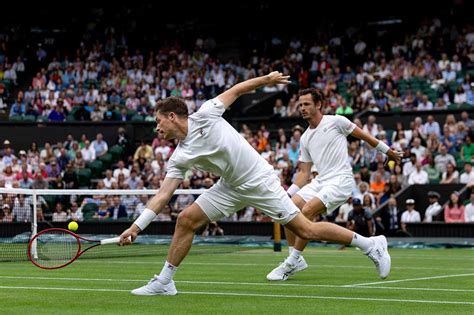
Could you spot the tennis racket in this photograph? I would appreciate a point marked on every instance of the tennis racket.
(56, 248)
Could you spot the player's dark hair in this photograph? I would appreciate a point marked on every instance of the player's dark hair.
(172, 104)
(316, 94)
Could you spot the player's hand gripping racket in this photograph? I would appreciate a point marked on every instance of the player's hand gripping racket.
(56, 248)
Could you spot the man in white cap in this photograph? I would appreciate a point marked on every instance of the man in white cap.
(434, 208)
(410, 215)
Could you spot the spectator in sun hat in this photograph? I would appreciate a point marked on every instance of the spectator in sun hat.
(7, 216)
(297, 127)
(296, 137)
(6, 145)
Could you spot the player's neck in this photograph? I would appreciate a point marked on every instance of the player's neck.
(315, 120)
(182, 130)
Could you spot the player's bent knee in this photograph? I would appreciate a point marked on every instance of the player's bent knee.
(185, 221)
(191, 218)
(312, 208)
(308, 212)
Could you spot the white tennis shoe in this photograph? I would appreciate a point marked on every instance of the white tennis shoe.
(284, 270)
(380, 256)
(155, 287)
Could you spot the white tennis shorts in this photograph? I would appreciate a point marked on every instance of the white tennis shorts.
(332, 193)
(222, 200)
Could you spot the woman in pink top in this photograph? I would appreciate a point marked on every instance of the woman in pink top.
(454, 211)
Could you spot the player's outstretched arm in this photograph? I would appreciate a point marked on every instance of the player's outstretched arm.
(379, 145)
(229, 96)
(154, 206)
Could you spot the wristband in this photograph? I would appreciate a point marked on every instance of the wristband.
(293, 189)
(145, 218)
(382, 147)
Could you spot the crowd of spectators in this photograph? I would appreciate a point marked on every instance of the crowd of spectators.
(105, 80)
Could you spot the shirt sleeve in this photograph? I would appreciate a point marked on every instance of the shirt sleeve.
(344, 125)
(304, 157)
(173, 171)
(212, 108)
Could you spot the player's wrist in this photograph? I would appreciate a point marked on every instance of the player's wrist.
(135, 228)
(268, 78)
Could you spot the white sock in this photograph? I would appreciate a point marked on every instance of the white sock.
(362, 242)
(167, 273)
(290, 249)
(294, 256)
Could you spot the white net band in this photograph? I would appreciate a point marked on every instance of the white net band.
(65, 192)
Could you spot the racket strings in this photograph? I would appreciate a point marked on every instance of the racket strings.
(54, 249)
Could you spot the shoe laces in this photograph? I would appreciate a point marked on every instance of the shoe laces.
(375, 255)
(287, 267)
(155, 278)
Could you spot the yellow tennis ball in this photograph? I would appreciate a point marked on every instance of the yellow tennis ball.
(391, 164)
(73, 226)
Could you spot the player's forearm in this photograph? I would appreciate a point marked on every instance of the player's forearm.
(362, 135)
(302, 179)
(158, 202)
(154, 207)
(251, 84)
(377, 144)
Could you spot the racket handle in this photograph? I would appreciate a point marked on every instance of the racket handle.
(113, 240)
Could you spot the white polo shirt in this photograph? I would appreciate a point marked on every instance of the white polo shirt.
(326, 147)
(213, 145)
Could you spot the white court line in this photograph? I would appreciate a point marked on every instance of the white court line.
(350, 255)
(323, 253)
(237, 283)
(413, 279)
(251, 295)
(369, 266)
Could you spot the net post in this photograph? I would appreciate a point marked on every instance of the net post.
(276, 237)
(34, 225)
